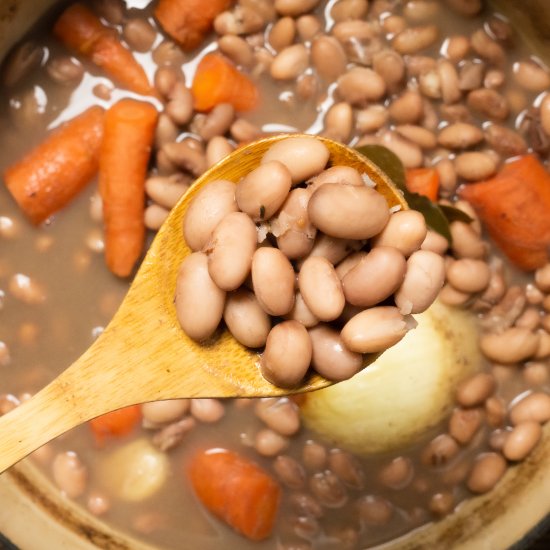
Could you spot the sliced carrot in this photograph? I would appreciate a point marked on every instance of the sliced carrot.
(217, 81)
(115, 424)
(129, 132)
(236, 490)
(189, 21)
(79, 29)
(54, 172)
(424, 181)
(515, 208)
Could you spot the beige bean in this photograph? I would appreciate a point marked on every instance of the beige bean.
(469, 275)
(154, 216)
(394, 24)
(505, 141)
(290, 472)
(466, 242)
(348, 263)
(475, 390)
(494, 78)
(522, 440)
(139, 34)
(487, 471)
(423, 280)
(406, 231)
(331, 358)
(530, 318)
(241, 19)
(314, 456)
(545, 114)
(199, 302)
(184, 155)
(391, 67)
(531, 76)
(303, 156)
(469, 8)
(217, 149)
(536, 374)
(246, 320)
(345, 175)
(419, 11)
(361, 85)
(543, 348)
(180, 104)
(166, 131)
(371, 119)
(415, 39)
(375, 510)
(290, 62)
(489, 103)
(207, 410)
(344, 10)
(407, 108)
(447, 177)
(217, 122)
(339, 122)
(281, 415)
(495, 411)
(376, 277)
(347, 468)
(287, 354)
(429, 84)
(321, 288)
(348, 211)
(487, 48)
(334, 250)
(163, 412)
(417, 134)
(328, 57)
(435, 242)
(307, 86)
(409, 153)
(70, 474)
(237, 49)
(376, 329)
(453, 297)
(535, 406)
(397, 474)
(456, 47)
(273, 280)
(308, 26)
(168, 54)
(439, 451)
(475, 166)
(295, 8)
(294, 232)
(464, 424)
(327, 488)
(166, 191)
(262, 192)
(460, 135)
(207, 208)
(65, 70)
(301, 313)
(512, 345)
(282, 33)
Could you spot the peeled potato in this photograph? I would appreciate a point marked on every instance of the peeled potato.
(135, 471)
(407, 391)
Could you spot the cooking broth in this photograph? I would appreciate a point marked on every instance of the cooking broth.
(56, 295)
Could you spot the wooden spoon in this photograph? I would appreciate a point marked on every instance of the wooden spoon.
(143, 355)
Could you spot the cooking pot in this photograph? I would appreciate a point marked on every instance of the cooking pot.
(34, 515)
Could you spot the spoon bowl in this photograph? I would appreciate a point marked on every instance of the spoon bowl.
(143, 354)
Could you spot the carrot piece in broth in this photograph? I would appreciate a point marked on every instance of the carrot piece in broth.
(129, 133)
(189, 21)
(54, 172)
(236, 490)
(514, 205)
(79, 29)
(115, 424)
(424, 181)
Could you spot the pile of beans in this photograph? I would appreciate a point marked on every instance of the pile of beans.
(324, 225)
(443, 84)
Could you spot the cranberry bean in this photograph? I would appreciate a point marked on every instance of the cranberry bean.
(391, 67)
(328, 489)
(397, 474)
(163, 412)
(308, 26)
(21, 62)
(331, 358)
(498, 438)
(328, 57)
(199, 302)
(487, 471)
(407, 108)
(475, 166)
(394, 24)
(270, 443)
(375, 510)
(531, 76)
(360, 85)
(287, 354)
(237, 49)
(464, 424)
(208, 207)
(372, 118)
(282, 33)
(294, 8)
(348, 211)
(460, 135)
(290, 472)
(414, 39)
(375, 329)
(65, 70)
(166, 191)
(512, 345)
(290, 63)
(184, 155)
(475, 390)
(139, 34)
(314, 456)
(487, 48)
(420, 10)
(442, 503)
(456, 47)
(522, 440)
(489, 103)
(303, 156)
(273, 280)
(281, 415)
(344, 10)
(468, 8)
(168, 54)
(440, 451)
(70, 474)
(304, 504)
(242, 19)
(246, 320)
(376, 277)
(408, 152)
(347, 468)
(466, 242)
(535, 406)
